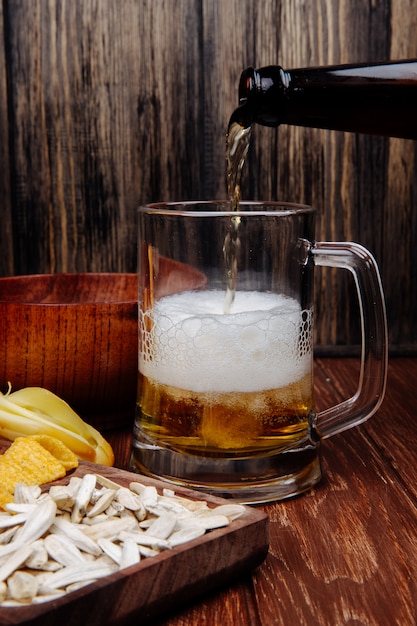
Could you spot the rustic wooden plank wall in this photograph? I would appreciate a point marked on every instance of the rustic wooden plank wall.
(105, 104)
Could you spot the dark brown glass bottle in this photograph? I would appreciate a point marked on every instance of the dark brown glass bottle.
(378, 99)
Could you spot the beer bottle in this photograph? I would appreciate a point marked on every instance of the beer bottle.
(377, 99)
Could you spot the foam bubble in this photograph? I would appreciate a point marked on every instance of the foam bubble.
(264, 343)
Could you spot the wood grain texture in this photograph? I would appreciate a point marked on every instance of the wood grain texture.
(105, 105)
(75, 335)
(6, 231)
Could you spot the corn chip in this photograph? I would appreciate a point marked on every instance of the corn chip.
(59, 450)
(33, 462)
(5, 496)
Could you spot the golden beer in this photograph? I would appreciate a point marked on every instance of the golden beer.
(224, 424)
(214, 384)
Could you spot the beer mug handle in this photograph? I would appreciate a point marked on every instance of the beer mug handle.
(374, 354)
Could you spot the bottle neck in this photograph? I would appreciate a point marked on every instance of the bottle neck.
(376, 99)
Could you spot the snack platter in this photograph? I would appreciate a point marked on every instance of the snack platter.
(158, 584)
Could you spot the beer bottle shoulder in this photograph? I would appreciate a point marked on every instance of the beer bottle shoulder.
(376, 99)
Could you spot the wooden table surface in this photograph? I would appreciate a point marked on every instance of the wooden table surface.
(346, 552)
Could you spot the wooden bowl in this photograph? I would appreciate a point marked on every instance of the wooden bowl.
(76, 335)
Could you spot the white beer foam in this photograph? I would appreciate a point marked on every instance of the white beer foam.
(264, 343)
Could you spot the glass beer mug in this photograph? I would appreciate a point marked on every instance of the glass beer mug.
(225, 395)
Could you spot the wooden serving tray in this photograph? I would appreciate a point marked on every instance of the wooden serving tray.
(159, 583)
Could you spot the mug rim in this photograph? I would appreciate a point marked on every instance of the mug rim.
(200, 208)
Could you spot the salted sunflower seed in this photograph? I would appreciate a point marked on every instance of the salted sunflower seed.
(62, 496)
(15, 560)
(7, 534)
(37, 523)
(143, 539)
(231, 511)
(77, 536)
(26, 494)
(149, 495)
(185, 535)
(22, 586)
(39, 555)
(83, 497)
(78, 573)
(130, 554)
(102, 503)
(109, 529)
(128, 499)
(163, 526)
(21, 507)
(208, 522)
(12, 520)
(63, 551)
(113, 550)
